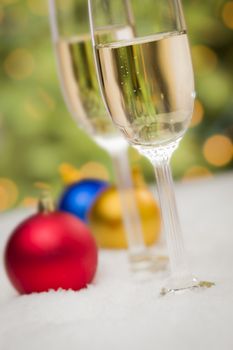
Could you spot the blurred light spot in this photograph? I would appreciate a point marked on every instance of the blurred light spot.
(69, 173)
(198, 114)
(227, 14)
(94, 170)
(2, 14)
(196, 172)
(29, 202)
(39, 8)
(32, 110)
(19, 64)
(218, 150)
(42, 186)
(8, 193)
(4, 199)
(204, 58)
(47, 99)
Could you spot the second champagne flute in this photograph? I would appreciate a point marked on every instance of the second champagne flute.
(73, 48)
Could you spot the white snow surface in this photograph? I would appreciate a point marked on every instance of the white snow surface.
(118, 312)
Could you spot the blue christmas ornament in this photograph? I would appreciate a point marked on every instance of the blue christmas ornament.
(79, 197)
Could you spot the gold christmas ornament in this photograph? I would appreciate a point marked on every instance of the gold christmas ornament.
(105, 216)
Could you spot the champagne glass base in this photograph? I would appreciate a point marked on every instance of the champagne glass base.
(139, 261)
(191, 283)
(144, 264)
(159, 263)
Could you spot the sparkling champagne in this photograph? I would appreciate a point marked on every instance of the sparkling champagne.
(148, 86)
(80, 84)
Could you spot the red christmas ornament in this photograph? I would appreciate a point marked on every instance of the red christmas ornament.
(51, 250)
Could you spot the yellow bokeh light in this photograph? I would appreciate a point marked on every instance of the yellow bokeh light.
(218, 150)
(204, 57)
(32, 110)
(198, 114)
(196, 172)
(227, 14)
(39, 8)
(29, 202)
(8, 193)
(19, 64)
(69, 173)
(47, 99)
(94, 170)
(4, 199)
(2, 14)
(42, 186)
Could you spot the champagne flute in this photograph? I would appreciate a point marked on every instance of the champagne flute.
(148, 88)
(74, 54)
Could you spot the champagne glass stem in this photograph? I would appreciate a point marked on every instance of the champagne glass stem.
(180, 273)
(137, 251)
(174, 237)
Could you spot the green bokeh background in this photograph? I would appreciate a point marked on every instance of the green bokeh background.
(37, 133)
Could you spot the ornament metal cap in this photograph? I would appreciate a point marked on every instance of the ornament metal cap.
(45, 204)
